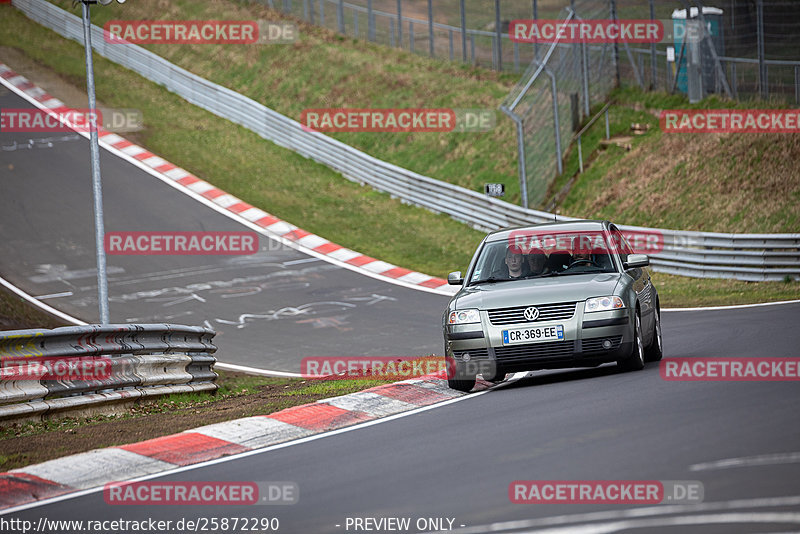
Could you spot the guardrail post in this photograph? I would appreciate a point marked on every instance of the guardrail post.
(340, 16)
(322, 12)
(355, 23)
(608, 132)
(580, 155)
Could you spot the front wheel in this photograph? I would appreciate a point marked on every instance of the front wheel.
(635, 362)
(654, 352)
(457, 378)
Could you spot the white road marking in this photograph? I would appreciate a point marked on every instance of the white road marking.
(618, 526)
(734, 307)
(632, 513)
(749, 461)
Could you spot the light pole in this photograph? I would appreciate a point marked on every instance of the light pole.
(94, 147)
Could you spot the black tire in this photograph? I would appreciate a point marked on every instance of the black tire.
(461, 385)
(654, 352)
(635, 362)
(456, 377)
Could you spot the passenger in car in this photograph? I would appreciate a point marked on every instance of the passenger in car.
(536, 262)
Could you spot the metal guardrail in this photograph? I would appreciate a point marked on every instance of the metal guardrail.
(138, 360)
(700, 254)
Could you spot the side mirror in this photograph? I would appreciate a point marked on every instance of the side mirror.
(455, 279)
(635, 261)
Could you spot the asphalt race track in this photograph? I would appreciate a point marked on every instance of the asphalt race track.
(454, 461)
(269, 309)
(457, 460)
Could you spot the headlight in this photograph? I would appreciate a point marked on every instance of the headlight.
(603, 304)
(464, 317)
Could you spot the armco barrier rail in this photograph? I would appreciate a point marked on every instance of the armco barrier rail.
(699, 254)
(140, 360)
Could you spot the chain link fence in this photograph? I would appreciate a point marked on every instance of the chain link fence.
(749, 50)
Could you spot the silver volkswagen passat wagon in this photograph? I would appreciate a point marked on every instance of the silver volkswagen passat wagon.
(549, 296)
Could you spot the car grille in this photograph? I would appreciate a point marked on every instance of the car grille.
(544, 351)
(474, 354)
(596, 344)
(547, 312)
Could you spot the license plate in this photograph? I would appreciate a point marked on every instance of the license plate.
(533, 335)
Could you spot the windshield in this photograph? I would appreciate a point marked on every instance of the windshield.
(535, 254)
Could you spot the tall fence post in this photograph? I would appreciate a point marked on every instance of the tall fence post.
(498, 30)
(370, 22)
(463, 30)
(613, 4)
(430, 28)
(322, 12)
(391, 33)
(523, 173)
(400, 23)
(653, 60)
(340, 16)
(556, 122)
(585, 72)
(450, 39)
(535, 13)
(411, 37)
(762, 66)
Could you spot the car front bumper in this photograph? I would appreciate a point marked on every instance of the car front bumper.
(590, 339)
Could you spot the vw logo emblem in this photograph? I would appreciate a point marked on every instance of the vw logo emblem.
(532, 313)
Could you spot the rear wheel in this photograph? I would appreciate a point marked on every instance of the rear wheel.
(636, 360)
(654, 352)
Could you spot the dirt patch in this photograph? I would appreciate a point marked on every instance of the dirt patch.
(17, 314)
(45, 78)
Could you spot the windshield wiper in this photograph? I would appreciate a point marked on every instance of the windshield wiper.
(544, 275)
(491, 280)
